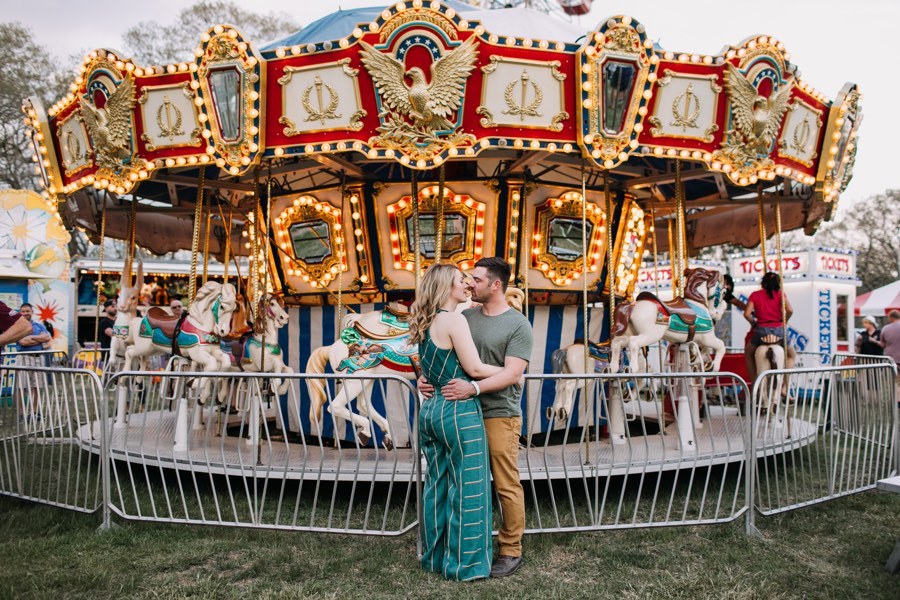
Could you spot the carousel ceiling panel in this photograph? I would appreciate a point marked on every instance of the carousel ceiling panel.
(422, 83)
(741, 225)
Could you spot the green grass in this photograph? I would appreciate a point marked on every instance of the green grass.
(833, 550)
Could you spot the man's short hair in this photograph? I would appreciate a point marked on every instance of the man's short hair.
(894, 314)
(24, 304)
(497, 268)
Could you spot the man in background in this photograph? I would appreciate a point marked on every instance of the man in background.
(890, 341)
(37, 337)
(107, 323)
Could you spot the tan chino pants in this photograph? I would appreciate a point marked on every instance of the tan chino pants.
(503, 444)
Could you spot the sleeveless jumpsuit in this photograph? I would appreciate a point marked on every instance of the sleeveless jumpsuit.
(456, 523)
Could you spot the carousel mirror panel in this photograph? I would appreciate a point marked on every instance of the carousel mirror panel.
(226, 87)
(559, 236)
(316, 252)
(618, 77)
(463, 211)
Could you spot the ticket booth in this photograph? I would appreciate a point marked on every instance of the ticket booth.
(820, 284)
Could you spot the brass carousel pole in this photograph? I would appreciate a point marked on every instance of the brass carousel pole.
(680, 231)
(129, 251)
(439, 222)
(340, 248)
(195, 238)
(206, 244)
(784, 340)
(100, 281)
(584, 308)
(417, 258)
(762, 227)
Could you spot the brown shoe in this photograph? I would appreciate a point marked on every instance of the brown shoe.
(505, 565)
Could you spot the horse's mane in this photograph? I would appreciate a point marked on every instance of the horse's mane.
(695, 278)
(261, 307)
(208, 288)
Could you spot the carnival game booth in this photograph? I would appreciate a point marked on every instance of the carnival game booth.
(818, 282)
(345, 159)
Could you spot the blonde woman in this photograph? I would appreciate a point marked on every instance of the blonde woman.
(456, 522)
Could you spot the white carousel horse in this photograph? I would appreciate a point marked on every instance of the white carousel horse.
(259, 351)
(126, 306)
(375, 343)
(769, 356)
(648, 320)
(194, 336)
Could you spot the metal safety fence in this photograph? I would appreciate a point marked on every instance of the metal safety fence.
(44, 416)
(340, 454)
(239, 449)
(825, 433)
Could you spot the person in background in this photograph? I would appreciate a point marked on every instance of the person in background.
(177, 307)
(107, 322)
(869, 341)
(890, 342)
(763, 312)
(13, 326)
(38, 336)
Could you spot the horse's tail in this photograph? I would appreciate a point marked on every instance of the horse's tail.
(317, 395)
(623, 317)
(558, 360)
(770, 356)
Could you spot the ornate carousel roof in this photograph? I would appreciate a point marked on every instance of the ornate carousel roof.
(519, 126)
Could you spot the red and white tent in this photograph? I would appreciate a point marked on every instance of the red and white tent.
(878, 302)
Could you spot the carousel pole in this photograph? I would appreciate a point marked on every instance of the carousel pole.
(615, 410)
(680, 230)
(340, 278)
(778, 249)
(206, 245)
(417, 258)
(195, 238)
(762, 227)
(100, 281)
(584, 309)
(525, 250)
(439, 225)
(129, 251)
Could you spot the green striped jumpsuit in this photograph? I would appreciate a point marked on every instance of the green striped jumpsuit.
(456, 523)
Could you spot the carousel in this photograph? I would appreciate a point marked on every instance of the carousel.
(345, 159)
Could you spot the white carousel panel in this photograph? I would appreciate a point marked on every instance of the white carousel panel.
(522, 93)
(320, 98)
(800, 134)
(74, 145)
(170, 117)
(686, 106)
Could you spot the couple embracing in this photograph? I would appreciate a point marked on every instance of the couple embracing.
(470, 423)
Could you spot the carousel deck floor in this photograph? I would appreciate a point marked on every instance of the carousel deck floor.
(148, 440)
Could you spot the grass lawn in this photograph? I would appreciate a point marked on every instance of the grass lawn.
(833, 550)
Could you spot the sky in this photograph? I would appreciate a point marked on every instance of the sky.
(832, 42)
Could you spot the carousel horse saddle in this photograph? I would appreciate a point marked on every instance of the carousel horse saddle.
(597, 351)
(160, 319)
(393, 333)
(677, 307)
(235, 349)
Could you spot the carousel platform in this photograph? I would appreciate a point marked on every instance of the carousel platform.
(148, 442)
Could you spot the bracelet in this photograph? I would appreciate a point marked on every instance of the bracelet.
(477, 389)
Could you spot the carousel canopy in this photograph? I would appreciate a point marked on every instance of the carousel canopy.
(507, 133)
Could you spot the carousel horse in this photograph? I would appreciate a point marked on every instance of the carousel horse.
(648, 320)
(259, 350)
(374, 343)
(194, 336)
(126, 304)
(769, 356)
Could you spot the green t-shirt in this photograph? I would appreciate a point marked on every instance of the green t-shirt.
(507, 334)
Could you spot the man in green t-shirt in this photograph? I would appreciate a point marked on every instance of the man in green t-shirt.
(504, 338)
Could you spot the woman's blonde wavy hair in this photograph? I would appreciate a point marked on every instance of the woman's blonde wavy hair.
(432, 293)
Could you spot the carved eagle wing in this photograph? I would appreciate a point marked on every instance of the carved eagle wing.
(91, 119)
(118, 113)
(389, 75)
(778, 105)
(743, 96)
(448, 77)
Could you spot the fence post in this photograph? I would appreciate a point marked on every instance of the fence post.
(752, 464)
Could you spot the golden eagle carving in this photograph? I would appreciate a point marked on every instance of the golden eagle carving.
(110, 126)
(427, 105)
(756, 118)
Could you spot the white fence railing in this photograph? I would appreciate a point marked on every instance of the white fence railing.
(596, 451)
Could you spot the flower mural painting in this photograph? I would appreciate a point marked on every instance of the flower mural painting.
(27, 225)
